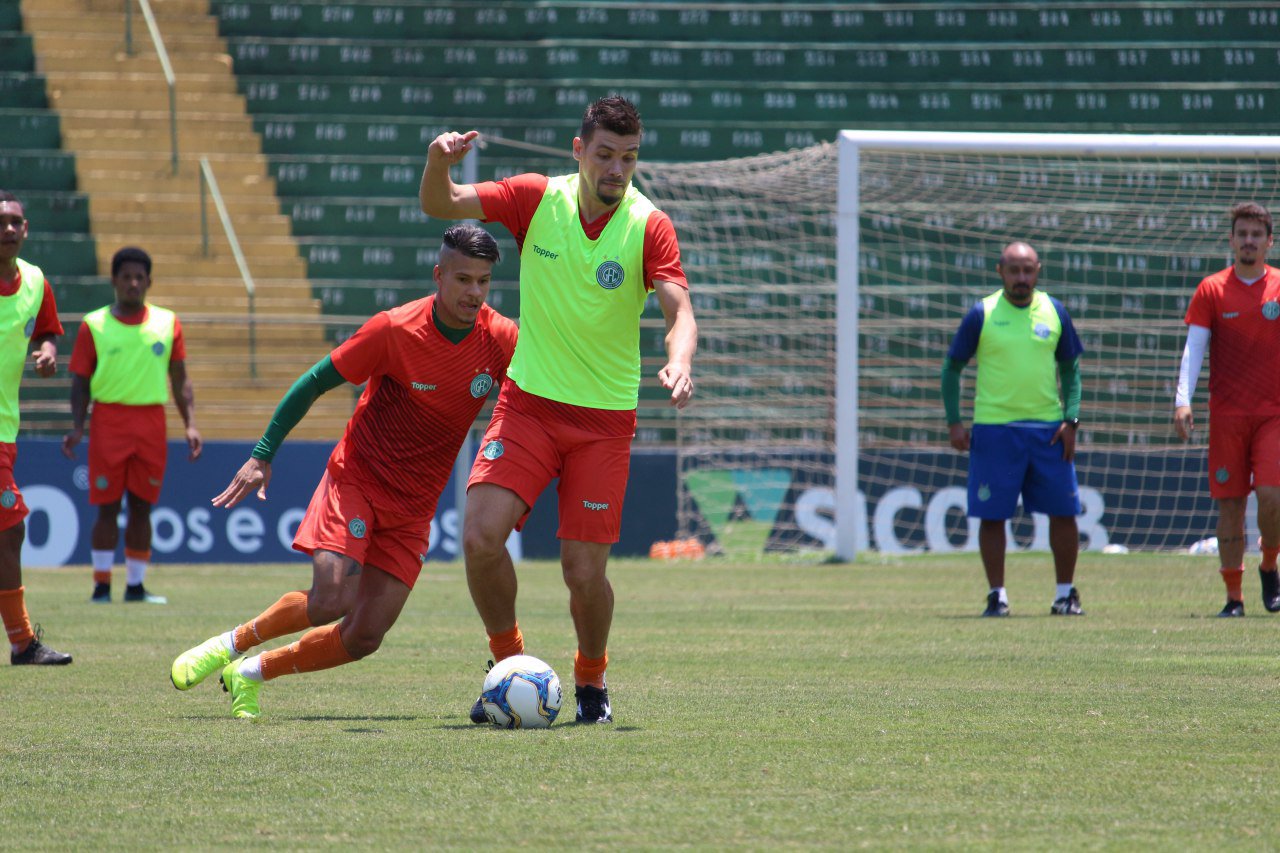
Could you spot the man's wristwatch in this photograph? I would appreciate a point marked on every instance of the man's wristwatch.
(1074, 423)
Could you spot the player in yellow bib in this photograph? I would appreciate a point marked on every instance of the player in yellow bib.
(28, 325)
(127, 358)
(592, 247)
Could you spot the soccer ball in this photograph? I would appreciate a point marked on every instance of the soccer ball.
(521, 692)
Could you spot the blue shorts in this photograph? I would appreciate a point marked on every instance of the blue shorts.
(1007, 461)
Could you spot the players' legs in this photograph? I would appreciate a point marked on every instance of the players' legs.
(137, 529)
(583, 565)
(992, 546)
(105, 534)
(1231, 513)
(492, 513)
(1269, 516)
(1064, 542)
(378, 603)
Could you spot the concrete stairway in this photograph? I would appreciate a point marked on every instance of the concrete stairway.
(114, 110)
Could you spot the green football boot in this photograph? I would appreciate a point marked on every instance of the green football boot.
(195, 665)
(244, 692)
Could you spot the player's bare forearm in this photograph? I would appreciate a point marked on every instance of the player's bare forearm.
(79, 412)
(438, 195)
(681, 342)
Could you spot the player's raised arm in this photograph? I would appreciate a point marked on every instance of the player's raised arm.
(439, 195)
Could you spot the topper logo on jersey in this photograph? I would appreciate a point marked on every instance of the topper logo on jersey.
(545, 253)
(610, 275)
(422, 386)
(481, 385)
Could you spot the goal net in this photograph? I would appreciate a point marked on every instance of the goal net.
(829, 281)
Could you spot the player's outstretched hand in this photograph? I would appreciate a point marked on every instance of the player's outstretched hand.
(1183, 422)
(46, 359)
(70, 441)
(254, 474)
(450, 147)
(959, 437)
(195, 444)
(676, 379)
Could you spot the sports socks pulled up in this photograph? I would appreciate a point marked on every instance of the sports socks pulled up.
(320, 648)
(507, 643)
(13, 612)
(589, 670)
(287, 616)
(1233, 578)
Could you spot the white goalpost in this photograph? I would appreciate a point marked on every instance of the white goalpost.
(828, 283)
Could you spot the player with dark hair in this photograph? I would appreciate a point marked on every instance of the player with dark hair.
(29, 327)
(1235, 313)
(429, 365)
(128, 356)
(592, 247)
(1024, 436)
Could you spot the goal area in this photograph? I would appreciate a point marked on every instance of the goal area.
(829, 281)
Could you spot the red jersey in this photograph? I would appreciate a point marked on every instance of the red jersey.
(422, 396)
(1244, 341)
(514, 200)
(84, 356)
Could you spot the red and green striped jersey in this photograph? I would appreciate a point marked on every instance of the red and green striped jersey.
(423, 394)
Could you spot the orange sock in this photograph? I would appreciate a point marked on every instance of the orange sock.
(507, 643)
(286, 616)
(144, 555)
(589, 670)
(318, 649)
(1232, 578)
(13, 611)
(1268, 558)
(102, 577)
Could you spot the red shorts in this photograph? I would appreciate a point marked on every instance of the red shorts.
(341, 519)
(532, 440)
(128, 450)
(13, 509)
(1244, 453)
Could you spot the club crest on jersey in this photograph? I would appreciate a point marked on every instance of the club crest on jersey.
(29, 328)
(1041, 331)
(610, 275)
(357, 527)
(481, 385)
(492, 450)
(158, 348)
(1271, 310)
(8, 499)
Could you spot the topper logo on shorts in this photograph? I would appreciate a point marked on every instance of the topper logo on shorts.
(610, 275)
(481, 385)
(595, 507)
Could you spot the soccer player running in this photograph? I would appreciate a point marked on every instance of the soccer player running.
(28, 324)
(128, 356)
(1236, 313)
(591, 248)
(429, 365)
(1024, 437)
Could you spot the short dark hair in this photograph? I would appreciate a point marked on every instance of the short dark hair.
(472, 241)
(615, 114)
(128, 254)
(5, 195)
(1251, 210)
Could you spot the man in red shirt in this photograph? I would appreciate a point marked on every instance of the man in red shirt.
(1236, 312)
(592, 247)
(428, 365)
(143, 359)
(28, 324)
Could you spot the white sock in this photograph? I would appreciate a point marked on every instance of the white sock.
(229, 640)
(135, 569)
(1064, 589)
(251, 668)
(1001, 595)
(102, 560)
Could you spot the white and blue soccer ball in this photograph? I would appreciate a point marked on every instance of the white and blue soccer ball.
(521, 692)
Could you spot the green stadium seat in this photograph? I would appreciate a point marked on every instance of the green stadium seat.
(26, 170)
(16, 53)
(28, 128)
(61, 254)
(55, 212)
(23, 90)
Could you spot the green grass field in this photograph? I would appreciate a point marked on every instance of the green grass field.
(756, 705)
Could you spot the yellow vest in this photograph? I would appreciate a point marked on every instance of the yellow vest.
(133, 361)
(580, 302)
(17, 323)
(1017, 365)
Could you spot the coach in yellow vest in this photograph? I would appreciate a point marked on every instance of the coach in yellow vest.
(592, 248)
(127, 358)
(29, 328)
